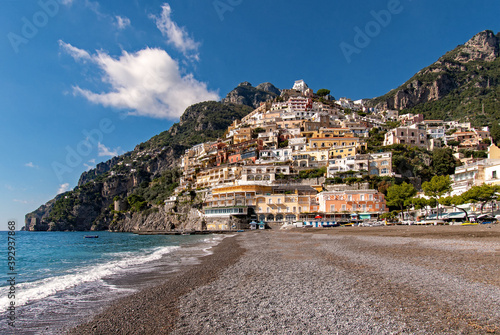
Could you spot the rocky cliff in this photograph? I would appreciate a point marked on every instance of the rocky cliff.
(246, 94)
(463, 82)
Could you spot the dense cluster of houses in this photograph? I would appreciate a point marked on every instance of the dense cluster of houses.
(252, 171)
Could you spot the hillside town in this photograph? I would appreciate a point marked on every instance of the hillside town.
(287, 162)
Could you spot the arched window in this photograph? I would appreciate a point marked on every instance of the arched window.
(270, 217)
(279, 217)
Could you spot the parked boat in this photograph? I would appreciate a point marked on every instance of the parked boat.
(91, 236)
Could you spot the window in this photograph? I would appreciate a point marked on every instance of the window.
(362, 197)
(385, 163)
(354, 207)
(343, 207)
(494, 175)
(270, 201)
(268, 210)
(332, 208)
(370, 197)
(385, 171)
(349, 197)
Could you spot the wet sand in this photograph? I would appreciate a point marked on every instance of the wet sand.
(345, 280)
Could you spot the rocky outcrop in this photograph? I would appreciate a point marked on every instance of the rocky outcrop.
(467, 66)
(185, 218)
(483, 46)
(246, 94)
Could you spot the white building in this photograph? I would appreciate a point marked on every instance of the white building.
(300, 85)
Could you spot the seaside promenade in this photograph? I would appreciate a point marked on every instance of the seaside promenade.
(345, 280)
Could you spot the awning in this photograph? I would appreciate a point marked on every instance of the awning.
(456, 215)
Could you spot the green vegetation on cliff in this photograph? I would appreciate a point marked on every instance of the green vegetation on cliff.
(462, 85)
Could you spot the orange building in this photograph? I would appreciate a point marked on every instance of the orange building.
(352, 201)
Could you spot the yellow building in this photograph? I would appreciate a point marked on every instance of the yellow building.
(493, 152)
(286, 203)
(328, 132)
(242, 135)
(332, 142)
(343, 152)
(217, 176)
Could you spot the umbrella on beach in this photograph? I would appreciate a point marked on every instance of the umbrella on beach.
(318, 217)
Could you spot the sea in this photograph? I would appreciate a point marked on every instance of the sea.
(57, 280)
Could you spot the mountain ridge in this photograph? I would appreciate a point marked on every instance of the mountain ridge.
(460, 82)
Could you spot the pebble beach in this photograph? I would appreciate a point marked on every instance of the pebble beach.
(345, 280)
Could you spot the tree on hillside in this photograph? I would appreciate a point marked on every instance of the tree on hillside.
(495, 133)
(437, 187)
(482, 194)
(443, 162)
(398, 194)
(421, 203)
(322, 92)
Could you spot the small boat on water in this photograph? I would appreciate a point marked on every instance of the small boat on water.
(91, 236)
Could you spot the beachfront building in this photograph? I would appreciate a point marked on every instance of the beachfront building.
(352, 201)
(286, 203)
(229, 201)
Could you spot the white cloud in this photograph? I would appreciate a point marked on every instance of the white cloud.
(77, 54)
(63, 188)
(20, 201)
(176, 35)
(147, 83)
(122, 22)
(66, 2)
(104, 151)
(31, 165)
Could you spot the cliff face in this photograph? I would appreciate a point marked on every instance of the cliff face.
(149, 173)
(246, 94)
(460, 82)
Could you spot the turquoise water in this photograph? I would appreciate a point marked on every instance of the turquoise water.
(63, 277)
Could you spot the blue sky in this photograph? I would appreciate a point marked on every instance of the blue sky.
(81, 80)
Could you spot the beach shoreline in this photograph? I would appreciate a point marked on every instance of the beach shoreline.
(154, 310)
(346, 280)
